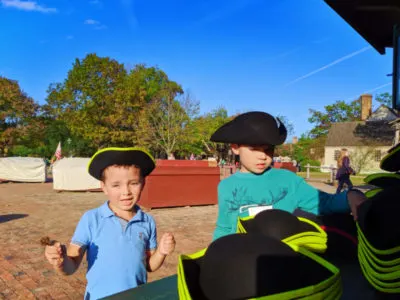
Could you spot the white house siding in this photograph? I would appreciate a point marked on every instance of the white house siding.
(371, 167)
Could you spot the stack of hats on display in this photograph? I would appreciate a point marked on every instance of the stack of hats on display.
(255, 266)
(383, 180)
(287, 228)
(378, 227)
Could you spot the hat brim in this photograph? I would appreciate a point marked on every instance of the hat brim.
(322, 276)
(120, 156)
(378, 219)
(383, 180)
(391, 162)
(253, 128)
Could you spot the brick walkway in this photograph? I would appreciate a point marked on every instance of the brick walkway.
(30, 211)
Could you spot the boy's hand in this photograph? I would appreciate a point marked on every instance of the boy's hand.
(355, 198)
(167, 244)
(55, 254)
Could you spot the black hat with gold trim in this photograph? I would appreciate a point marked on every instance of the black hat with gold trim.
(121, 156)
(252, 128)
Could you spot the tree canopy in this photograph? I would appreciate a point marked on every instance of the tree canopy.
(101, 104)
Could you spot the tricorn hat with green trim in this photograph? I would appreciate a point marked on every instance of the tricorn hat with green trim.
(120, 156)
(278, 224)
(383, 180)
(252, 266)
(391, 162)
(378, 219)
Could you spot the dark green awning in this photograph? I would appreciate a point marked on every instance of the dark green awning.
(372, 19)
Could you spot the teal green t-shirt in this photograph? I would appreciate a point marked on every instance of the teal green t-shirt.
(278, 188)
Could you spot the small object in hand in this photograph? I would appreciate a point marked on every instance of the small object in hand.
(45, 241)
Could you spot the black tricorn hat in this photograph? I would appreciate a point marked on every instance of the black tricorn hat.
(120, 156)
(378, 219)
(243, 266)
(342, 235)
(252, 128)
(278, 224)
(383, 180)
(391, 162)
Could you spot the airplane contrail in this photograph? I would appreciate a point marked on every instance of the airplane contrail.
(330, 64)
(378, 88)
(371, 90)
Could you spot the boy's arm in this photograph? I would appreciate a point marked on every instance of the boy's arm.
(65, 262)
(224, 225)
(154, 260)
(317, 202)
(156, 257)
(72, 257)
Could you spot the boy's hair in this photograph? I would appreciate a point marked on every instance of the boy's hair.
(103, 173)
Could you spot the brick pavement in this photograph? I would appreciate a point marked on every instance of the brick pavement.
(30, 211)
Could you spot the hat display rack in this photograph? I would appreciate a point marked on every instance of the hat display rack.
(378, 227)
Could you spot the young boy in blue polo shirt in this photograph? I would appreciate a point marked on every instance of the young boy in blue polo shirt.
(119, 239)
(256, 187)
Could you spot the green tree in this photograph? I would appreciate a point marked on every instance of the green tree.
(289, 125)
(152, 95)
(361, 158)
(340, 111)
(100, 102)
(384, 98)
(201, 129)
(86, 100)
(166, 122)
(17, 114)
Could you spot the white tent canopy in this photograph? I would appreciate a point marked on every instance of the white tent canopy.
(22, 169)
(70, 174)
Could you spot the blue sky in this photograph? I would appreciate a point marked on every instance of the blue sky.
(282, 57)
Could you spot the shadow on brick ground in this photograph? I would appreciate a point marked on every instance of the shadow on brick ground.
(10, 217)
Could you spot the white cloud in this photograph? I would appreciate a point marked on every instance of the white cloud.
(91, 22)
(96, 3)
(231, 8)
(27, 6)
(95, 24)
(100, 27)
(129, 8)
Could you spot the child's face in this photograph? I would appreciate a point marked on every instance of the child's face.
(123, 186)
(254, 159)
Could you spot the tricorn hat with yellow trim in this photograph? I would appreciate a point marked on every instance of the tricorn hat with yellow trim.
(391, 162)
(121, 156)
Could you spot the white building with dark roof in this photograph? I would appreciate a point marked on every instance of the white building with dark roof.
(367, 140)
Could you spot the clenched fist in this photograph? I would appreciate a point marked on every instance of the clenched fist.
(55, 254)
(167, 244)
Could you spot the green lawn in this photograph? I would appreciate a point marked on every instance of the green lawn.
(357, 180)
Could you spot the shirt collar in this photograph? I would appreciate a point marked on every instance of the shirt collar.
(106, 212)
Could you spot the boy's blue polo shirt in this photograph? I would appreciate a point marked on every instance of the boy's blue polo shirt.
(116, 257)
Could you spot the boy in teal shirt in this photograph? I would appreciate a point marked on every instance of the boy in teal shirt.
(256, 187)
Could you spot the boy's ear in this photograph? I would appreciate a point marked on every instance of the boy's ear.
(102, 185)
(235, 149)
(143, 183)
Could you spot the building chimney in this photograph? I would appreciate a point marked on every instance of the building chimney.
(366, 106)
(295, 140)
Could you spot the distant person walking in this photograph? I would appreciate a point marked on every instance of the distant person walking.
(344, 171)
